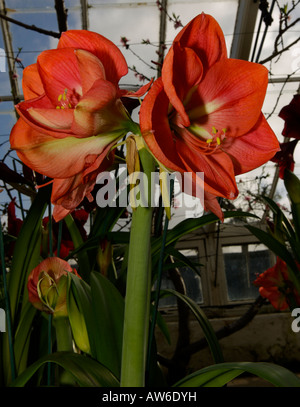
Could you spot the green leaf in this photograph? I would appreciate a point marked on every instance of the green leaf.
(86, 371)
(188, 225)
(22, 335)
(82, 257)
(220, 374)
(108, 308)
(184, 259)
(208, 331)
(292, 184)
(26, 256)
(81, 292)
(278, 212)
(25, 247)
(103, 309)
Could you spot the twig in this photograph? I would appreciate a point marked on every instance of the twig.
(30, 27)
(62, 15)
(280, 93)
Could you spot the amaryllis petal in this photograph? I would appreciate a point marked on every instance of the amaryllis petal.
(38, 113)
(31, 82)
(109, 54)
(139, 93)
(99, 110)
(153, 122)
(90, 69)
(178, 79)
(56, 119)
(211, 204)
(230, 97)
(60, 75)
(68, 193)
(204, 35)
(253, 149)
(217, 168)
(57, 157)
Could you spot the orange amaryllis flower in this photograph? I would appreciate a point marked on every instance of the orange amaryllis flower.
(47, 285)
(204, 113)
(274, 284)
(72, 115)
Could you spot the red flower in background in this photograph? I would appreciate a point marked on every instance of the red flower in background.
(285, 157)
(291, 115)
(274, 284)
(72, 115)
(14, 225)
(204, 113)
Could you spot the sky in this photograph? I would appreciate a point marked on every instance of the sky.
(138, 21)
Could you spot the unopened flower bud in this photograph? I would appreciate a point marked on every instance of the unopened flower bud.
(47, 286)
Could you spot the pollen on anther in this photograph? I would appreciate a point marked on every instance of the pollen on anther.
(209, 140)
(59, 98)
(218, 141)
(57, 107)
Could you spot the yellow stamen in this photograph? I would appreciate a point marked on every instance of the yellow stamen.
(59, 98)
(57, 107)
(218, 141)
(209, 140)
(214, 130)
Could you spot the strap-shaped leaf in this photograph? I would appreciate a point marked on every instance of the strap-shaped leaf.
(26, 246)
(220, 374)
(189, 225)
(108, 308)
(208, 331)
(86, 371)
(83, 259)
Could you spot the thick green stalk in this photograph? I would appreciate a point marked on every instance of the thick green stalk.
(138, 288)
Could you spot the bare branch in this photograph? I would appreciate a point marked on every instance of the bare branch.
(62, 15)
(275, 53)
(30, 27)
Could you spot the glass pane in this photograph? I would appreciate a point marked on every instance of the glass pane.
(115, 21)
(242, 265)
(191, 280)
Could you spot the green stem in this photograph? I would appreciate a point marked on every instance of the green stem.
(138, 288)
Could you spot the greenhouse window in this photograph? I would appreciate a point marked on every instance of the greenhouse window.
(242, 265)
